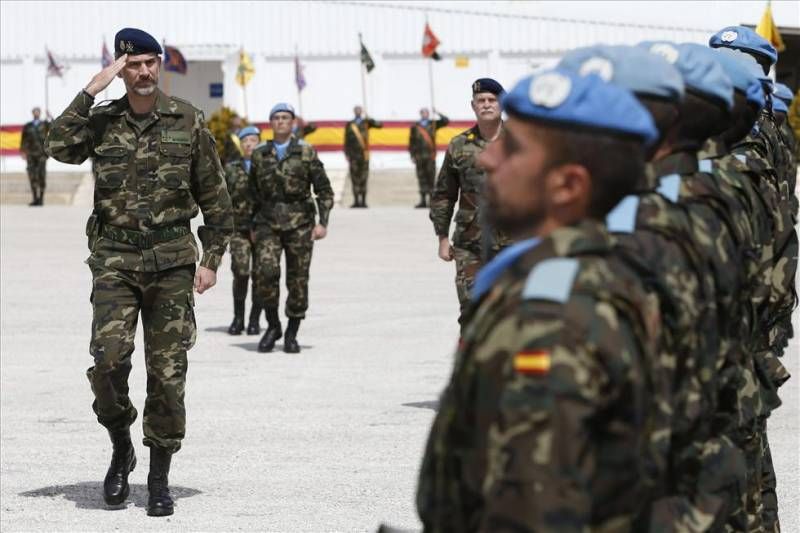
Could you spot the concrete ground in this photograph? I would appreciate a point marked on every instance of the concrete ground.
(327, 440)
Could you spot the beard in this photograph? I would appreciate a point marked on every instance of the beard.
(145, 90)
(513, 221)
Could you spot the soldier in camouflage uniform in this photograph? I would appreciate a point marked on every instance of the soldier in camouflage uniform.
(422, 147)
(32, 150)
(155, 164)
(462, 180)
(356, 150)
(237, 177)
(284, 172)
(232, 148)
(543, 424)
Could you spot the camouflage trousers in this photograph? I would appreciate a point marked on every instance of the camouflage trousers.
(37, 173)
(166, 303)
(359, 174)
(242, 260)
(270, 244)
(426, 174)
(468, 262)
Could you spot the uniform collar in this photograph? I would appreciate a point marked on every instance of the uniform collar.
(681, 163)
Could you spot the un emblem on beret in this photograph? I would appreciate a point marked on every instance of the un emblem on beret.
(667, 51)
(729, 36)
(550, 90)
(599, 66)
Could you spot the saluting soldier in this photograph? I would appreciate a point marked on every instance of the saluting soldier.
(422, 147)
(461, 180)
(32, 149)
(284, 173)
(155, 164)
(301, 128)
(356, 150)
(242, 257)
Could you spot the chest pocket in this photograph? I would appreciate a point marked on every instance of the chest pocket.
(175, 158)
(110, 165)
(294, 172)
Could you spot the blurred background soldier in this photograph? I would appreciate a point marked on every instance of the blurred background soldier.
(422, 146)
(233, 148)
(241, 247)
(32, 150)
(356, 150)
(155, 162)
(301, 128)
(462, 180)
(284, 172)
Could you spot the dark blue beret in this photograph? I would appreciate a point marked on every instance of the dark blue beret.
(133, 42)
(487, 85)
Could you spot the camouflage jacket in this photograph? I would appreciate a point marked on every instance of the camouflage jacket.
(461, 180)
(306, 129)
(232, 148)
(356, 138)
(790, 146)
(422, 139)
(33, 138)
(281, 190)
(542, 426)
(238, 181)
(150, 176)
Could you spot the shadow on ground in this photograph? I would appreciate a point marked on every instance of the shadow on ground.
(89, 494)
(253, 347)
(433, 404)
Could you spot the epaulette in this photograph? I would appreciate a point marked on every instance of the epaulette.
(622, 219)
(705, 165)
(551, 279)
(670, 186)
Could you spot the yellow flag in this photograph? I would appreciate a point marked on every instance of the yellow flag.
(462, 61)
(769, 31)
(245, 71)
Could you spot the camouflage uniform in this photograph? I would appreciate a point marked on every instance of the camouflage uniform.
(232, 148)
(151, 175)
(543, 425)
(356, 149)
(241, 248)
(33, 145)
(461, 180)
(422, 146)
(284, 219)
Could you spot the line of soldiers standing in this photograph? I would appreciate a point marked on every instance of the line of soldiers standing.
(619, 361)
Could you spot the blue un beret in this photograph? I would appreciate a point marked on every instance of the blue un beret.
(487, 85)
(701, 72)
(134, 41)
(739, 69)
(283, 106)
(632, 68)
(784, 93)
(779, 106)
(744, 39)
(249, 130)
(560, 96)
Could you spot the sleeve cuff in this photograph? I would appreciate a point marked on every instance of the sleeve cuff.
(210, 261)
(82, 103)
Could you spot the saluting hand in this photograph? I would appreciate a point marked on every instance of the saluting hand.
(104, 78)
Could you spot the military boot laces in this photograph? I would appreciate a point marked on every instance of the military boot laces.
(290, 344)
(273, 333)
(123, 461)
(159, 502)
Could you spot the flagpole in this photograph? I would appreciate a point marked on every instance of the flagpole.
(430, 73)
(297, 74)
(363, 77)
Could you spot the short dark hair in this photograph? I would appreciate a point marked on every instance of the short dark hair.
(665, 115)
(701, 118)
(743, 115)
(615, 163)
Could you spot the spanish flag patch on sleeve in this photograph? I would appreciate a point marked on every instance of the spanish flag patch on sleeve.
(532, 362)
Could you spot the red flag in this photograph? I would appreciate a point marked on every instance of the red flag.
(429, 43)
(54, 67)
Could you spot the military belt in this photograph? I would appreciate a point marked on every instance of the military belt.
(144, 239)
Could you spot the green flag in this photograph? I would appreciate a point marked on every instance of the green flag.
(366, 59)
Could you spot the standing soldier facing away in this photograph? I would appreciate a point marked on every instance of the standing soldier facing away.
(356, 150)
(422, 146)
(284, 172)
(155, 163)
(32, 150)
(242, 256)
(462, 180)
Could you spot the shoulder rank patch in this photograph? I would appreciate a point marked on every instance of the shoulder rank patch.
(622, 219)
(532, 362)
(670, 186)
(551, 279)
(705, 165)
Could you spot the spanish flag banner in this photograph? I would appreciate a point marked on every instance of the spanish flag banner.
(532, 362)
(769, 31)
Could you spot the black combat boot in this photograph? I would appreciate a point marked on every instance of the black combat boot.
(273, 333)
(253, 326)
(422, 201)
(159, 502)
(290, 344)
(237, 326)
(123, 461)
(363, 200)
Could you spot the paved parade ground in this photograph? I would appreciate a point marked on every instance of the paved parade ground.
(327, 440)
